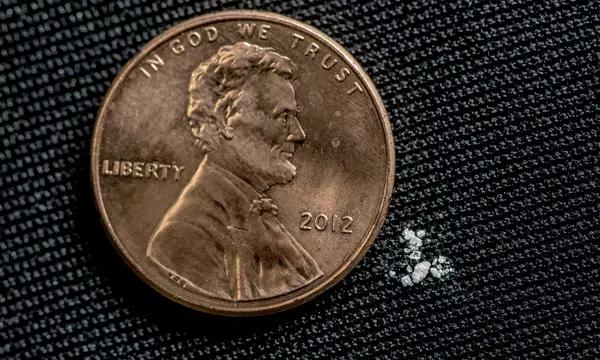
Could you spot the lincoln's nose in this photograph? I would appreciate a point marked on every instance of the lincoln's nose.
(296, 133)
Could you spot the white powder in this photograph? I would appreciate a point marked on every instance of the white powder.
(417, 267)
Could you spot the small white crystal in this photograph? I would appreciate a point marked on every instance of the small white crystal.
(408, 234)
(415, 255)
(435, 272)
(415, 242)
(406, 281)
(420, 272)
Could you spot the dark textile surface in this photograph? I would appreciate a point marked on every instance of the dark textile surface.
(495, 111)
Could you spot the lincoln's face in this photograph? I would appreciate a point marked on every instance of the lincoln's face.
(266, 130)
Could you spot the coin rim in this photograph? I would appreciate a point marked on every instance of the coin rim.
(348, 264)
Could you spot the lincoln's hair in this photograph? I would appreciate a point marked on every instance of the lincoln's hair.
(215, 88)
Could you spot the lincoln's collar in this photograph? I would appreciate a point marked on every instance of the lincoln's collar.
(235, 195)
(245, 187)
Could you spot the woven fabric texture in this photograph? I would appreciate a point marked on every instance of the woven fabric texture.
(495, 113)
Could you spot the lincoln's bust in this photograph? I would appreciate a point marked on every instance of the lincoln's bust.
(222, 236)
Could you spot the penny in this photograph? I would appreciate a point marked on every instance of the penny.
(242, 163)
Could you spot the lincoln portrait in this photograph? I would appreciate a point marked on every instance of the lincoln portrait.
(222, 236)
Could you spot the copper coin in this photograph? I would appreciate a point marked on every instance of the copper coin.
(242, 163)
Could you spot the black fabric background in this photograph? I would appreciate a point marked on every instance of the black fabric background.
(495, 112)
